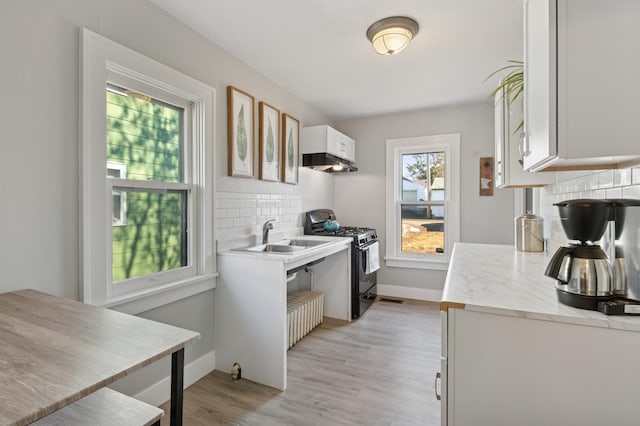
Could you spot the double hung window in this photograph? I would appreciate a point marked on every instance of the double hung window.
(147, 179)
(422, 201)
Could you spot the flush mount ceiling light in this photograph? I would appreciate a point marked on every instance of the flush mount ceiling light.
(390, 35)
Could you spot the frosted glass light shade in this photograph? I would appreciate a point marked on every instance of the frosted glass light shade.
(391, 41)
(391, 35)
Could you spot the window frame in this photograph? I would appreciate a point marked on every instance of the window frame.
(104, 61)
(395, 149)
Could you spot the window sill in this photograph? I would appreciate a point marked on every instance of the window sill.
(142, 301)
(399, 262)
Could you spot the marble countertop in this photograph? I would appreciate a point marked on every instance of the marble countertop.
(499, 279)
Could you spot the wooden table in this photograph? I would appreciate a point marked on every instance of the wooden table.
(55, 351)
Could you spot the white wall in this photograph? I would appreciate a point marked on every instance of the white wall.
(39, 220)
(360, 197)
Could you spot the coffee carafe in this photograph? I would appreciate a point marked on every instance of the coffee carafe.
(582, 270)
(623, 241)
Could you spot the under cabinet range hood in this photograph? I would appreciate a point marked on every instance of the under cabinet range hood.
(328, 150)
(326, 162)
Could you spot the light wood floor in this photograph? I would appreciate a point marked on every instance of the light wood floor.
(378, 370)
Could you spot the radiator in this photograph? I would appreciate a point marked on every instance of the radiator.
(305, 310)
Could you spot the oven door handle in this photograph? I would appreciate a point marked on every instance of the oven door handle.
(364, 246)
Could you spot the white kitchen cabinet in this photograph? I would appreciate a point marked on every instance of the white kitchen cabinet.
(508, 171)
(250, 325)
(509, 370)
(323, 138)
(581, 84)
(442, 376)
(513, 355)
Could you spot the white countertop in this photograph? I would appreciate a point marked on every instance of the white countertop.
(499, 279)
(334, 244)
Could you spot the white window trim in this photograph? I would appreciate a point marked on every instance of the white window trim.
(450, 144)
(101, 60)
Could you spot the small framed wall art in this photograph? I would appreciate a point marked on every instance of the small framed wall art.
(269, 135)
(240, 130)
(486, 176)
(290, 148)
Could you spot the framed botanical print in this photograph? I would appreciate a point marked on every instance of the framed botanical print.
(290, 149)
(240, 119)
(269, 136)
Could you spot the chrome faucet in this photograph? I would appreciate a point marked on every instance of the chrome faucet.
(265, 230)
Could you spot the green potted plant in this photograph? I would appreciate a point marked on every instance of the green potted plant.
(512, 85)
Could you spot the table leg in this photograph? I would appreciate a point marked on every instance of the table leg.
(177, 379)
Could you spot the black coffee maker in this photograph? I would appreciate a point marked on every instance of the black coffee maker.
(582, 270)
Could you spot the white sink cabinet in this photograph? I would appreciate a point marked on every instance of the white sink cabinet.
(251, 305)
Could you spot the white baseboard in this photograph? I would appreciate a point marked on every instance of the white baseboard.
(409, 292)
(160, 392)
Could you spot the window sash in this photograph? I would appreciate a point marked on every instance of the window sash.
(135, 284)
(398, 176)
(400, 233)
(156, 279)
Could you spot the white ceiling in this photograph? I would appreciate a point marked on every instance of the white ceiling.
(318, 50)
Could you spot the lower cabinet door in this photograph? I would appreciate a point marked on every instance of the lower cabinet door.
(508, 370)
(442, 396)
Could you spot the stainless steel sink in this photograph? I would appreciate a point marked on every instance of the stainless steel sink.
(272, 248)
(306, 243)
(283, 247)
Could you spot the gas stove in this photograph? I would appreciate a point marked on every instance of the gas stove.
(361, 236)
(363, 252)
(315, 220)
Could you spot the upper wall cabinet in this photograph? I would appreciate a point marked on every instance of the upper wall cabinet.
(582, 88)
(508, 170)
(323, 138)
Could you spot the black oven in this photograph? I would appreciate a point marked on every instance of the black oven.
(363, 283)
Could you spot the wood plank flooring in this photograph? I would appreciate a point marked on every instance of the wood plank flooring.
(378, 370)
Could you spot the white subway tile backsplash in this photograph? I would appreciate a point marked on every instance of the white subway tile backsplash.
(224, 223)
(631, 192)
(605, 179)
(241, 215)
(622, 177)
(225, 203)
(622, 183)
(614, 193)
